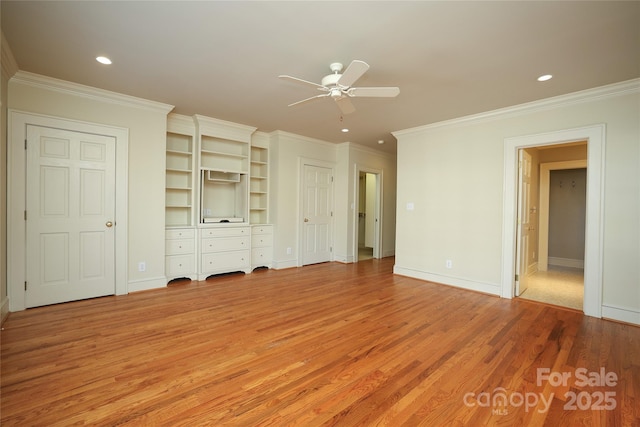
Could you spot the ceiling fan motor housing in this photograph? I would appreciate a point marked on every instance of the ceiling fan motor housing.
(331, 80)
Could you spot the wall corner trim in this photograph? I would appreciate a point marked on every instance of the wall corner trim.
(608, 91)
(50, 83)
(8, 61)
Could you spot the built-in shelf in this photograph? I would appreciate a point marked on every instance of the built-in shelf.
(179, 171)
(259, 185)
(217, 184)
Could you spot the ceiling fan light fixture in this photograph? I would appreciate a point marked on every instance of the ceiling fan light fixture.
(339, 87)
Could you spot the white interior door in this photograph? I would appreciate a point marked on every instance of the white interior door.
(524, 226)
(317, 214)
(69, 216)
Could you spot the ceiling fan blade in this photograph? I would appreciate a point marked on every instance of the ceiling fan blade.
(382, 92)
(309, 99)
(345, 105)
(297, 80)
(354, 71)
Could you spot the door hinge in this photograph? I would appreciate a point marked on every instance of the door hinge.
(332, 179)
(330, 248)
(25, 215)
(25, 143)
(517, 277)
(331, 213)
(25, 285)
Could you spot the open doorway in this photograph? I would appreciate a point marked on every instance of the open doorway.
(367, 227)
(593, 257)
(551, 267)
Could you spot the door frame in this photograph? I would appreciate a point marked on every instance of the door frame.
(302, 162)
(543, 218)
(595, 136)
(16, 197)
(377, 233)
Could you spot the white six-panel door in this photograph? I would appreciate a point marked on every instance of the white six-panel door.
(317, 206)
(70, 215)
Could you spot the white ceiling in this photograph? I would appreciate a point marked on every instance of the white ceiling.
(222, 59)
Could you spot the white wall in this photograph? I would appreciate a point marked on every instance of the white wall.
(287, 153)
(453, 174)
(7, 69)
(146, 124)
(367, 160)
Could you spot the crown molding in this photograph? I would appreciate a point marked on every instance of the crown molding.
(295, 136)
(588, 95)
(9, 64)
(364, 149)
(76, 89)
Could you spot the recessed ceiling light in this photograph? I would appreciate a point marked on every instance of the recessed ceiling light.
(345, 130)
(381, 141)
(545, 78)
(103, 60)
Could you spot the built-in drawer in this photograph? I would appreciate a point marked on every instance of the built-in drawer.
(225, 244)
(261, 240)
(225, 261)
(179, 246)
(261, 256)
(262, 229)
(224, 232)
(179, 264)
(186, 233)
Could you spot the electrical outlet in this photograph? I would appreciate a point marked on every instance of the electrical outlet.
(449, 263)
(142, 266)
(207, 212)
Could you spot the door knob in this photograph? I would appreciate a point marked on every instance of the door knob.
(306, 220)
(109, 224)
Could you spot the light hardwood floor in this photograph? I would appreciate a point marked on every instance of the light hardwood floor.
(327, 344)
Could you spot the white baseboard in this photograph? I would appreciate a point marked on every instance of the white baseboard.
(621, 314)
(487, 288)
(532, 268)
(289, 263)
(345, 259)
(4, 309)
(146, 284)
(566, 262)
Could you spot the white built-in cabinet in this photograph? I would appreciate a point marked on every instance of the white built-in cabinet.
(216, 194)
(180, 190)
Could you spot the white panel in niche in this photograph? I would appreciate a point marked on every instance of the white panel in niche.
(323, 201)
(92, 152)
(54, 191)
(91, 192)
(310, 230)
(54, 147)
(323, 237)
(54, 258)
(92, 255)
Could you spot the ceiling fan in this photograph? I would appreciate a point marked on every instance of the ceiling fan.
(339, 87)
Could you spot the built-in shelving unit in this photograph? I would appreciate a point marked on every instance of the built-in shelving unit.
(179, 195)
(259, 180)
(217, 204)
(224, 237)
